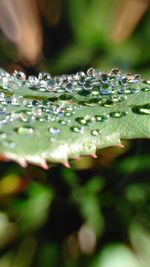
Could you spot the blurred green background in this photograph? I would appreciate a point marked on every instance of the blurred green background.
(96, 214)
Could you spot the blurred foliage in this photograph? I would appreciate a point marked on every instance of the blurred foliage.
(96, 214)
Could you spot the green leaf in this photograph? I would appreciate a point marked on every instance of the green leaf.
(55, 119)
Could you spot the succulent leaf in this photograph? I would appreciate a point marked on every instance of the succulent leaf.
(45, 119)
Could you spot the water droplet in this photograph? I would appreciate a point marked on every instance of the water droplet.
(90, 102)
(87, 120)
(114, 82)
(143, 109)
(24, 130)
(44, 76)
(79, 75)
(33, 81)
(115, 71)
(118, 114)
(2, 111)
(90, 72)
(64, 122)
(104, 77)
(77, 129)
(3, 73)
(146, 81)
(123, 80)
(97, 73)
(88, 85)
(95, 91)
(54, 130)
(101, 118)
(95, 132)
(81, 120)
(9, 144)
(3, 135)
(68, 114)
(105, 89)
(82, 80)
(127, 91)
(135, 90)
(43, 86)
(69, 87)
(35, 103)
(19, 75)
(108, 103)
(2, 96)
(146, 89)
(136, 78)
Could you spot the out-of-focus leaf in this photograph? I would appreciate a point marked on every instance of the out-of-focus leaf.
(134, 164)
(116, 255)
(32, 212)
(140, 239)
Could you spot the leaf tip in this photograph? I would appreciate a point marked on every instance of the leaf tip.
(66, 164)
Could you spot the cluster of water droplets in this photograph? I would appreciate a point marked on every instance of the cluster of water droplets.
(106, 83)
(56, 100)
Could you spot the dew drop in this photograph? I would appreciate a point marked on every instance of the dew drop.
(77, 129)
(35, 103)
(90, 102)
(123, 80)
(90, 72)
(54, 130)
(19, 75)
(114, 82)
(124, 90)
(3, 135)
(146, 89)
(2, 111)
(64, 122)
(146, 81)
(43, 86)
(58, 80)
(121, 89)
(9, 144)
(3, 73)
(69, 87)
(24, 130)
(104, 77)
(95, 132)
(2, 96)
(143, 109)
(135, 90)
(81, 120)
(97, 74)
(115, 71)
(33, 81)
(68, 114)
(85, 120)
(105, 89)
(108, 103)
(101, 118)
(136, 78)
(118, 114)
(88, 85)
(79, 75)
(45, 102)
(44, 76)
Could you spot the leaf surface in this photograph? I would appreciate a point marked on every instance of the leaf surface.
(55, 119)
